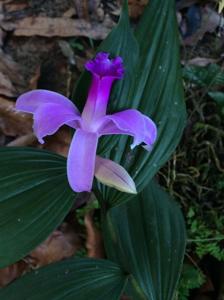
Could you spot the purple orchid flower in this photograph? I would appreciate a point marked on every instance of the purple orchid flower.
(52, 110)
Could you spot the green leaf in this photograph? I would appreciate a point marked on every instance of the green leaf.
(34, 199)
(119, 42)
(207, 77)
(146, 236)
(219, 99)
(191, 278)
(78, 279)
(153, 86)
(120, 39)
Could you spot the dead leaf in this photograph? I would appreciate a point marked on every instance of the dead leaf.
(2, 36)
(82, 9)
(10, 76)
(59, 142)
(61, 244)
(90, 10)
(67, 51)
(62, 27)
(200, 61)
(12, 79)
(94, 241)
(13, 6)
(33, 79)
(210, 21)
(124, 297)
(12, 122)
(136, 7)
(69, 13)
(22, 141)
(82, 199)
(12, 272)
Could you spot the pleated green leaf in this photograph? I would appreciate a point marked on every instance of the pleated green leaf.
(146, 236)
(79, 279)
(156, 90)
(120, 41)
(34, 199)
(152, 84)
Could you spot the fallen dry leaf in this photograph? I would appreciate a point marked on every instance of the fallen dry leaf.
(12, 77)
(124, 297)
(94, 241)
(82, 8)
(22, 141)
(69, 13)
(61, 244)
(136, 7)
(90, 10)
(13, 6)
(200, 61)
(2, 36)
(67, 51)
(59, 142)
(210, 21)
(62, 27)
(12, 272)
(33, 79)
(82, 199)
(13, 123)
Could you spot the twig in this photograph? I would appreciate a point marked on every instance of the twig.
(24, 140)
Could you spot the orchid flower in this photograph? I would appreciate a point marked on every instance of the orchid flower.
(52, 110)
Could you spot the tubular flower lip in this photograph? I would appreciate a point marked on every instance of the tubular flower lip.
(52, 110)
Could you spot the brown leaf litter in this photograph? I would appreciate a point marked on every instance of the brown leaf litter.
(62, 243)
(60, 27)
(13, 123)
(12, 81)
(94, 240)
(12, 272)
(59, 142)
(211, 20)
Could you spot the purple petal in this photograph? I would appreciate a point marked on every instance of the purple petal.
(31, 101)
(51, 110)
(49, 117)
(81, 160)
(130, 122)
(104, 71)
(96, 104)
(112, 174)
(103, 66)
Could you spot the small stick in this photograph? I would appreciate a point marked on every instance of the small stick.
(24, 140)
